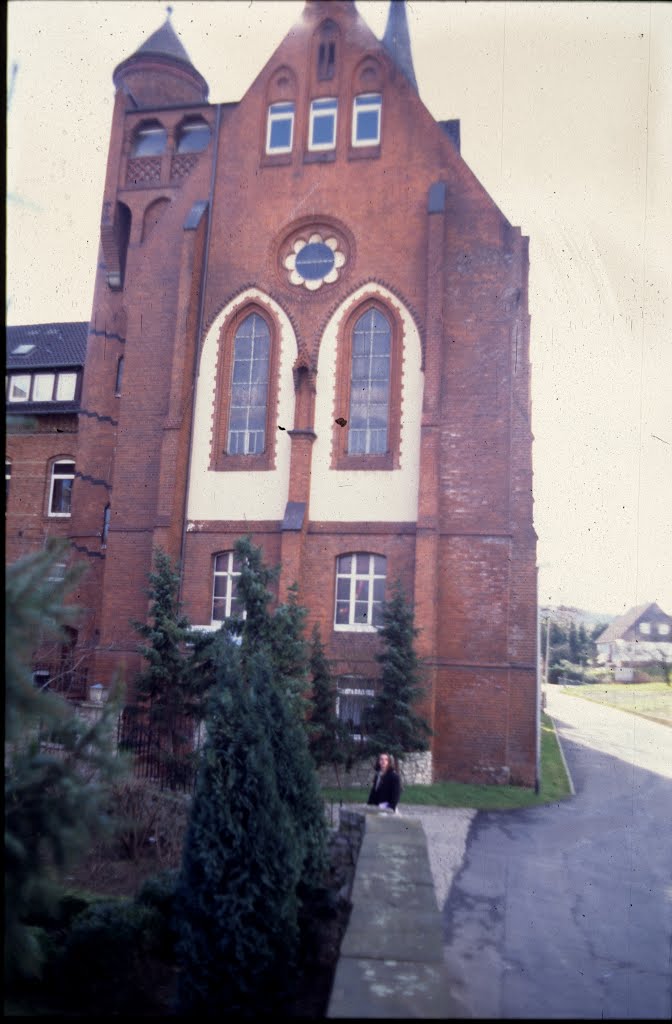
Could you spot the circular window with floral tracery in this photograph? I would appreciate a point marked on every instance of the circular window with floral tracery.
(314, 259)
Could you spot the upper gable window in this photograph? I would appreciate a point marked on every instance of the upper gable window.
(645, 628)
(366, 117)
(194, 136)
(322, 129)
(149, 140)
(663, 628)
(249, 387)
(326, 50)
(280, 128)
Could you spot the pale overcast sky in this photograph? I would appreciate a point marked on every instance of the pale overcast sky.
(566, 119)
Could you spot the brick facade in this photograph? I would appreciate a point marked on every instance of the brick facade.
(183, 241)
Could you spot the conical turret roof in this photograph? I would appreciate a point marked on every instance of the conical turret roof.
(397, 40)
(166, 42)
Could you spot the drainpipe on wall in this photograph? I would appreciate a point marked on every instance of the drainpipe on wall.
(201, 311)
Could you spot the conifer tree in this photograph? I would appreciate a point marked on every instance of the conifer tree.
(55, 796)
(391, 723)
(237, 908)
(330, 741)
(171, 688)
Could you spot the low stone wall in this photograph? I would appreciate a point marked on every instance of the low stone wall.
(391, 961)
(415, 768)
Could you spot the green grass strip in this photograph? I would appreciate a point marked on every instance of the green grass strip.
(554, 786)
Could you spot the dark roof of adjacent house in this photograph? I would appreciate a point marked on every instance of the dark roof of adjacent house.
(617, 629)
(35, 346)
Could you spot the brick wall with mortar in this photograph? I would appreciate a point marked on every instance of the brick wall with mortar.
(461, 270)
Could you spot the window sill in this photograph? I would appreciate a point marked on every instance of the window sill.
(364, 152)
(244, 463)
(388, 461)
(319, 156)
(276, 159)
(355, 627)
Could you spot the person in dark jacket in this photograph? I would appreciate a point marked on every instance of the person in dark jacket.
(386, 788)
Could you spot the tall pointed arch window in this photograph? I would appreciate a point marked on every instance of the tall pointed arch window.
(368, 393)
(249, 387)
(370, 385)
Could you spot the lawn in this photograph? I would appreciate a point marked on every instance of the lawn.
(650, 700)
(554, 786)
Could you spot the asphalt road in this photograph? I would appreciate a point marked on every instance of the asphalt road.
(565, 911)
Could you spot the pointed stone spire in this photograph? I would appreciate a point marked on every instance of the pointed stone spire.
(397, 40)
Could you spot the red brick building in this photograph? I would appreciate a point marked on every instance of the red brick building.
(310, 325)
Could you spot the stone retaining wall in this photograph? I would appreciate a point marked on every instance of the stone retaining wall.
(415, 768)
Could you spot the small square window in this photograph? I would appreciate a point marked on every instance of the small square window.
(280, 128)
(323, 124)
(663, 629)
(366, 120)
(645, 628)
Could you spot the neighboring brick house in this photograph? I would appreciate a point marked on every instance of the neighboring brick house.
(322, 322)
(641, 636)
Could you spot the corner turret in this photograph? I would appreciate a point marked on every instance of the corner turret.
(160, 72)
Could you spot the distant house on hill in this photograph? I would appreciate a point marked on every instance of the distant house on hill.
(641, 636)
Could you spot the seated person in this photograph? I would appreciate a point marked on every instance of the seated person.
(386, 788)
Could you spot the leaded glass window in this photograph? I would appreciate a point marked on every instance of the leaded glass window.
(370, 385)
(249, 387)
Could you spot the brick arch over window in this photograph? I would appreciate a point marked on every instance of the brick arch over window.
(247, 390)
(368, 388)
(367, 76)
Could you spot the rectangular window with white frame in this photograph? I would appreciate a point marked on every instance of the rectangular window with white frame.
(366, 117)
(225, 600)
(280, 128)
(19, 387)
(60, 490)
(322, 127)
(360, 592)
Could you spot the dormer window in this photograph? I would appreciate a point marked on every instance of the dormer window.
(280, 128)
(150, 140)
(366, 119)
(194, 136)
(322, 129)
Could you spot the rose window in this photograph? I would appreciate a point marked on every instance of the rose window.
(314, 262)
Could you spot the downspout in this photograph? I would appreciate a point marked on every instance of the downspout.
(201, 310)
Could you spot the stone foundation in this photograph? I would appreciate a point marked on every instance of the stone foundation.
(414, 769)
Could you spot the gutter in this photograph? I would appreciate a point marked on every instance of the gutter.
(199, 336)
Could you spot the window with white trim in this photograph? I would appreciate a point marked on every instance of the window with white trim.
(360, 591)
(60, 489)
(280, 128)
(366, 116)
(249, 387)
(322, 127)
(645, 628)
(225, 600)
(8, 480)
(370, 385)
(19, 387)
(663, 628)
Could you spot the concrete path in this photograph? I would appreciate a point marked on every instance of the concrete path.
(565, 911)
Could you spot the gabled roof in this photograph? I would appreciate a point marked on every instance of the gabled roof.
(617, 629)
(46, 345)
(397, 40)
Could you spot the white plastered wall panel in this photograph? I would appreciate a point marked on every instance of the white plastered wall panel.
(258, 494)
(373, 495)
